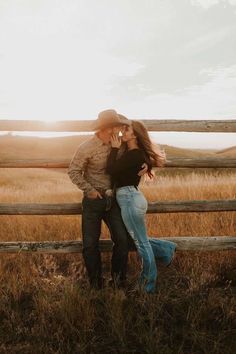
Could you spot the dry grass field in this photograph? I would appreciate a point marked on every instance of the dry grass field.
(46, 305)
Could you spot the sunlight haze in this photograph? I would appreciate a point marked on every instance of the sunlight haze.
(68, 60)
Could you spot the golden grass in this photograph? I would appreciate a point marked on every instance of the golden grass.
(46, 306)
(52, 186)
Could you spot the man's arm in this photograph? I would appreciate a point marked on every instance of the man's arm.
(76, 171)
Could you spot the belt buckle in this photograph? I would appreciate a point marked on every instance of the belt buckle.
(109, 193)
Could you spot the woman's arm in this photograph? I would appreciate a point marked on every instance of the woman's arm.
(115, 146)
(111, 160)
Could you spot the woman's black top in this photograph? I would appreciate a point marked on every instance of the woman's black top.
(124, 171)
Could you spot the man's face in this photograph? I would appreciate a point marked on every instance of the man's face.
(119, 130)
(107, 133)
(116, 130)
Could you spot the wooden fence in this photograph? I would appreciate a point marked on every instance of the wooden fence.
(184, 243)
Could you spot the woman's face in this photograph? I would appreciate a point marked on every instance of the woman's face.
(128, 133)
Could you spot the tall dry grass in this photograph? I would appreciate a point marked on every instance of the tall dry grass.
(46, 305)
(46, 186)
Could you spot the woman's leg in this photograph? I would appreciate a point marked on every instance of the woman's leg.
(133, 209)
(163, 250)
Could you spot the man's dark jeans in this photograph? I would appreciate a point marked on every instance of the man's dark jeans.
(93, 212)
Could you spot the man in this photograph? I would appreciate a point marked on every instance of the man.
(87, 171)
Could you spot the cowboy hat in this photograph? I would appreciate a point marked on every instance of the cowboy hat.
(108, 119)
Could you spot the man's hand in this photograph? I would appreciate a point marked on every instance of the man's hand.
(115, 141)
(94, 195)
(143, 169)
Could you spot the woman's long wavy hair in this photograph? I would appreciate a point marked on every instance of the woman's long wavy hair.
(154, 156)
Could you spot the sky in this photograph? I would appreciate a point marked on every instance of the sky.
(151, 59)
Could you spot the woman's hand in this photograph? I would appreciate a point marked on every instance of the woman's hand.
(115, 141)
(143, 170)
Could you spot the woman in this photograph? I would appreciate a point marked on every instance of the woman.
(133, 204)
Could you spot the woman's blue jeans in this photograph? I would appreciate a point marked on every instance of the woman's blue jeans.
(133, 206)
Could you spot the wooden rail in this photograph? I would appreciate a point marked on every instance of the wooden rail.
(151, 124)
(214, 243)
(208, 162)
(184, 206)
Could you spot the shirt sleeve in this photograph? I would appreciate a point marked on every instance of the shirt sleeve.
(128, 160)
(76, 170)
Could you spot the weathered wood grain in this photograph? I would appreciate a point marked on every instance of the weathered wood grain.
(213, 243)
(181, 162)
(180, 125)
(154, 207)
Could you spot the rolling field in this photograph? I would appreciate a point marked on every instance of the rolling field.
(46, 305)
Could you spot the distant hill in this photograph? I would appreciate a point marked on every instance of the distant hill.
(175, 152)
(229, 152)
(18, 147)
